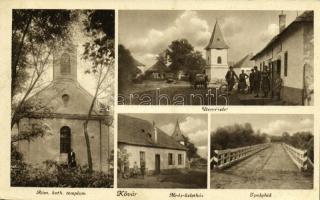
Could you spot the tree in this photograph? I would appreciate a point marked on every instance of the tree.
(126, 67)
(35, 35)
(99, 26)
(182, 56)
(192, 150)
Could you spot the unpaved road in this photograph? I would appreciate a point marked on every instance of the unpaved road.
(271, 168)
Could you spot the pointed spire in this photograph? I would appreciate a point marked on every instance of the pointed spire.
(177, 133)
(216, 40)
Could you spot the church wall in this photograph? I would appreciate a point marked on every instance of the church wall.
(48, 147)
(134, 156)
(215, 53)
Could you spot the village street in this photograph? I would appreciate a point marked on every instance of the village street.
(176, 179)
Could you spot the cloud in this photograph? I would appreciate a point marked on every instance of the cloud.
(188, 25)
(279, 126)
(231, 27)
(203, 151)
(270, 32)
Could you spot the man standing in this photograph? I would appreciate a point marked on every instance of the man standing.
(231, 76)
(256, 81)
(142, 167)
(251, 81)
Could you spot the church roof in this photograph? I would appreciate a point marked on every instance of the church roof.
(177, 133)
(158, 67)
(216, 40)
(135, 131)
(51, 98)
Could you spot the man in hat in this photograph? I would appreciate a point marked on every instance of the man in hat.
(256, 81)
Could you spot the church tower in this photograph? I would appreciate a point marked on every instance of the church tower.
(177, 134)
(65, 64)
(216, 55)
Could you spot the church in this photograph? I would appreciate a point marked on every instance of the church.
(216, 55)
(145, 142)
(66, 106)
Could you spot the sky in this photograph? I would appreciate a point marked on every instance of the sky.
(272, 124)
(195, 126)
(148, 33)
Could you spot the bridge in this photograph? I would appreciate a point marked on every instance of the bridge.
(264, 166)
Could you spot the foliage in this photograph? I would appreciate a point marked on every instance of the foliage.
(31, 131)
(300, 140)
(57, 175)
(182, 56)
(35, 34)
(126, 68)
(99, 27)
(234, 136)
(123, 160)
(191, 149)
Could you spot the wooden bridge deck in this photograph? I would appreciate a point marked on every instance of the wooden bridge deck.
(271, 168)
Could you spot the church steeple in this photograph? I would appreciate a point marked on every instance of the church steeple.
(217, 40)
(65, 63)
(177, 134)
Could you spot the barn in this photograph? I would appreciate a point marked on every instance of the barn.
(145, 142)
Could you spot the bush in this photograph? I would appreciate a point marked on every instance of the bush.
(57, 175)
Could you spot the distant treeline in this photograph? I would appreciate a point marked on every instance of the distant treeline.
(300, 140)
(237, 135)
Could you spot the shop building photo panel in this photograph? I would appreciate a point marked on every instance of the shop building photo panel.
(210, 57)
(262, 151)
(162, 150)
(62, 98)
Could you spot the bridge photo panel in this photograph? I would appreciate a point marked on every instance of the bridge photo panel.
(261, 151)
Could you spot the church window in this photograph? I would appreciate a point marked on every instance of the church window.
(219, 60)
(65, 139)
(65, 99)
(65, 64)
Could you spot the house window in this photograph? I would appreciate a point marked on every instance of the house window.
(142, 156)
(219, 60)
(170, 159)
(286, 63)
(179, 159)
(65, 64)
(65, 139)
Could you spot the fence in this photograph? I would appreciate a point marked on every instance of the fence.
(227, 157)
(298, 156)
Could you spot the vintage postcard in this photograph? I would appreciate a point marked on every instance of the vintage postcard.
(163, 100)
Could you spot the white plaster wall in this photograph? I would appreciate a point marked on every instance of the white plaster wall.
(134, 156)
(48, 147)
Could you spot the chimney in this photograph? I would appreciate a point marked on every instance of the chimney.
(282, 22)
(155, 132)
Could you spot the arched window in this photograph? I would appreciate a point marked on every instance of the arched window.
(65, 64)
(219, 60)
(65, 139)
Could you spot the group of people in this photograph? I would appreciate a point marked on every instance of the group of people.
(125, 170)
(258, 82)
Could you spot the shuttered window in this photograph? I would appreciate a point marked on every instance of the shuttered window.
(170, 159)
(286, 63)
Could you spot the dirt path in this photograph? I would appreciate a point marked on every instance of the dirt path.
(269, 169)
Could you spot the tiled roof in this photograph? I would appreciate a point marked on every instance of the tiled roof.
(137, 131)
(158, 67)
(306, 16)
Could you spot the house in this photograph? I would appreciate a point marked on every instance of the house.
(290, 55)
(216, 55)
(143, 141)
(158, 71)
(245, 64)
(65, 108)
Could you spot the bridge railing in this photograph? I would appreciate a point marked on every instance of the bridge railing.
(227, 157)
(298, 156)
